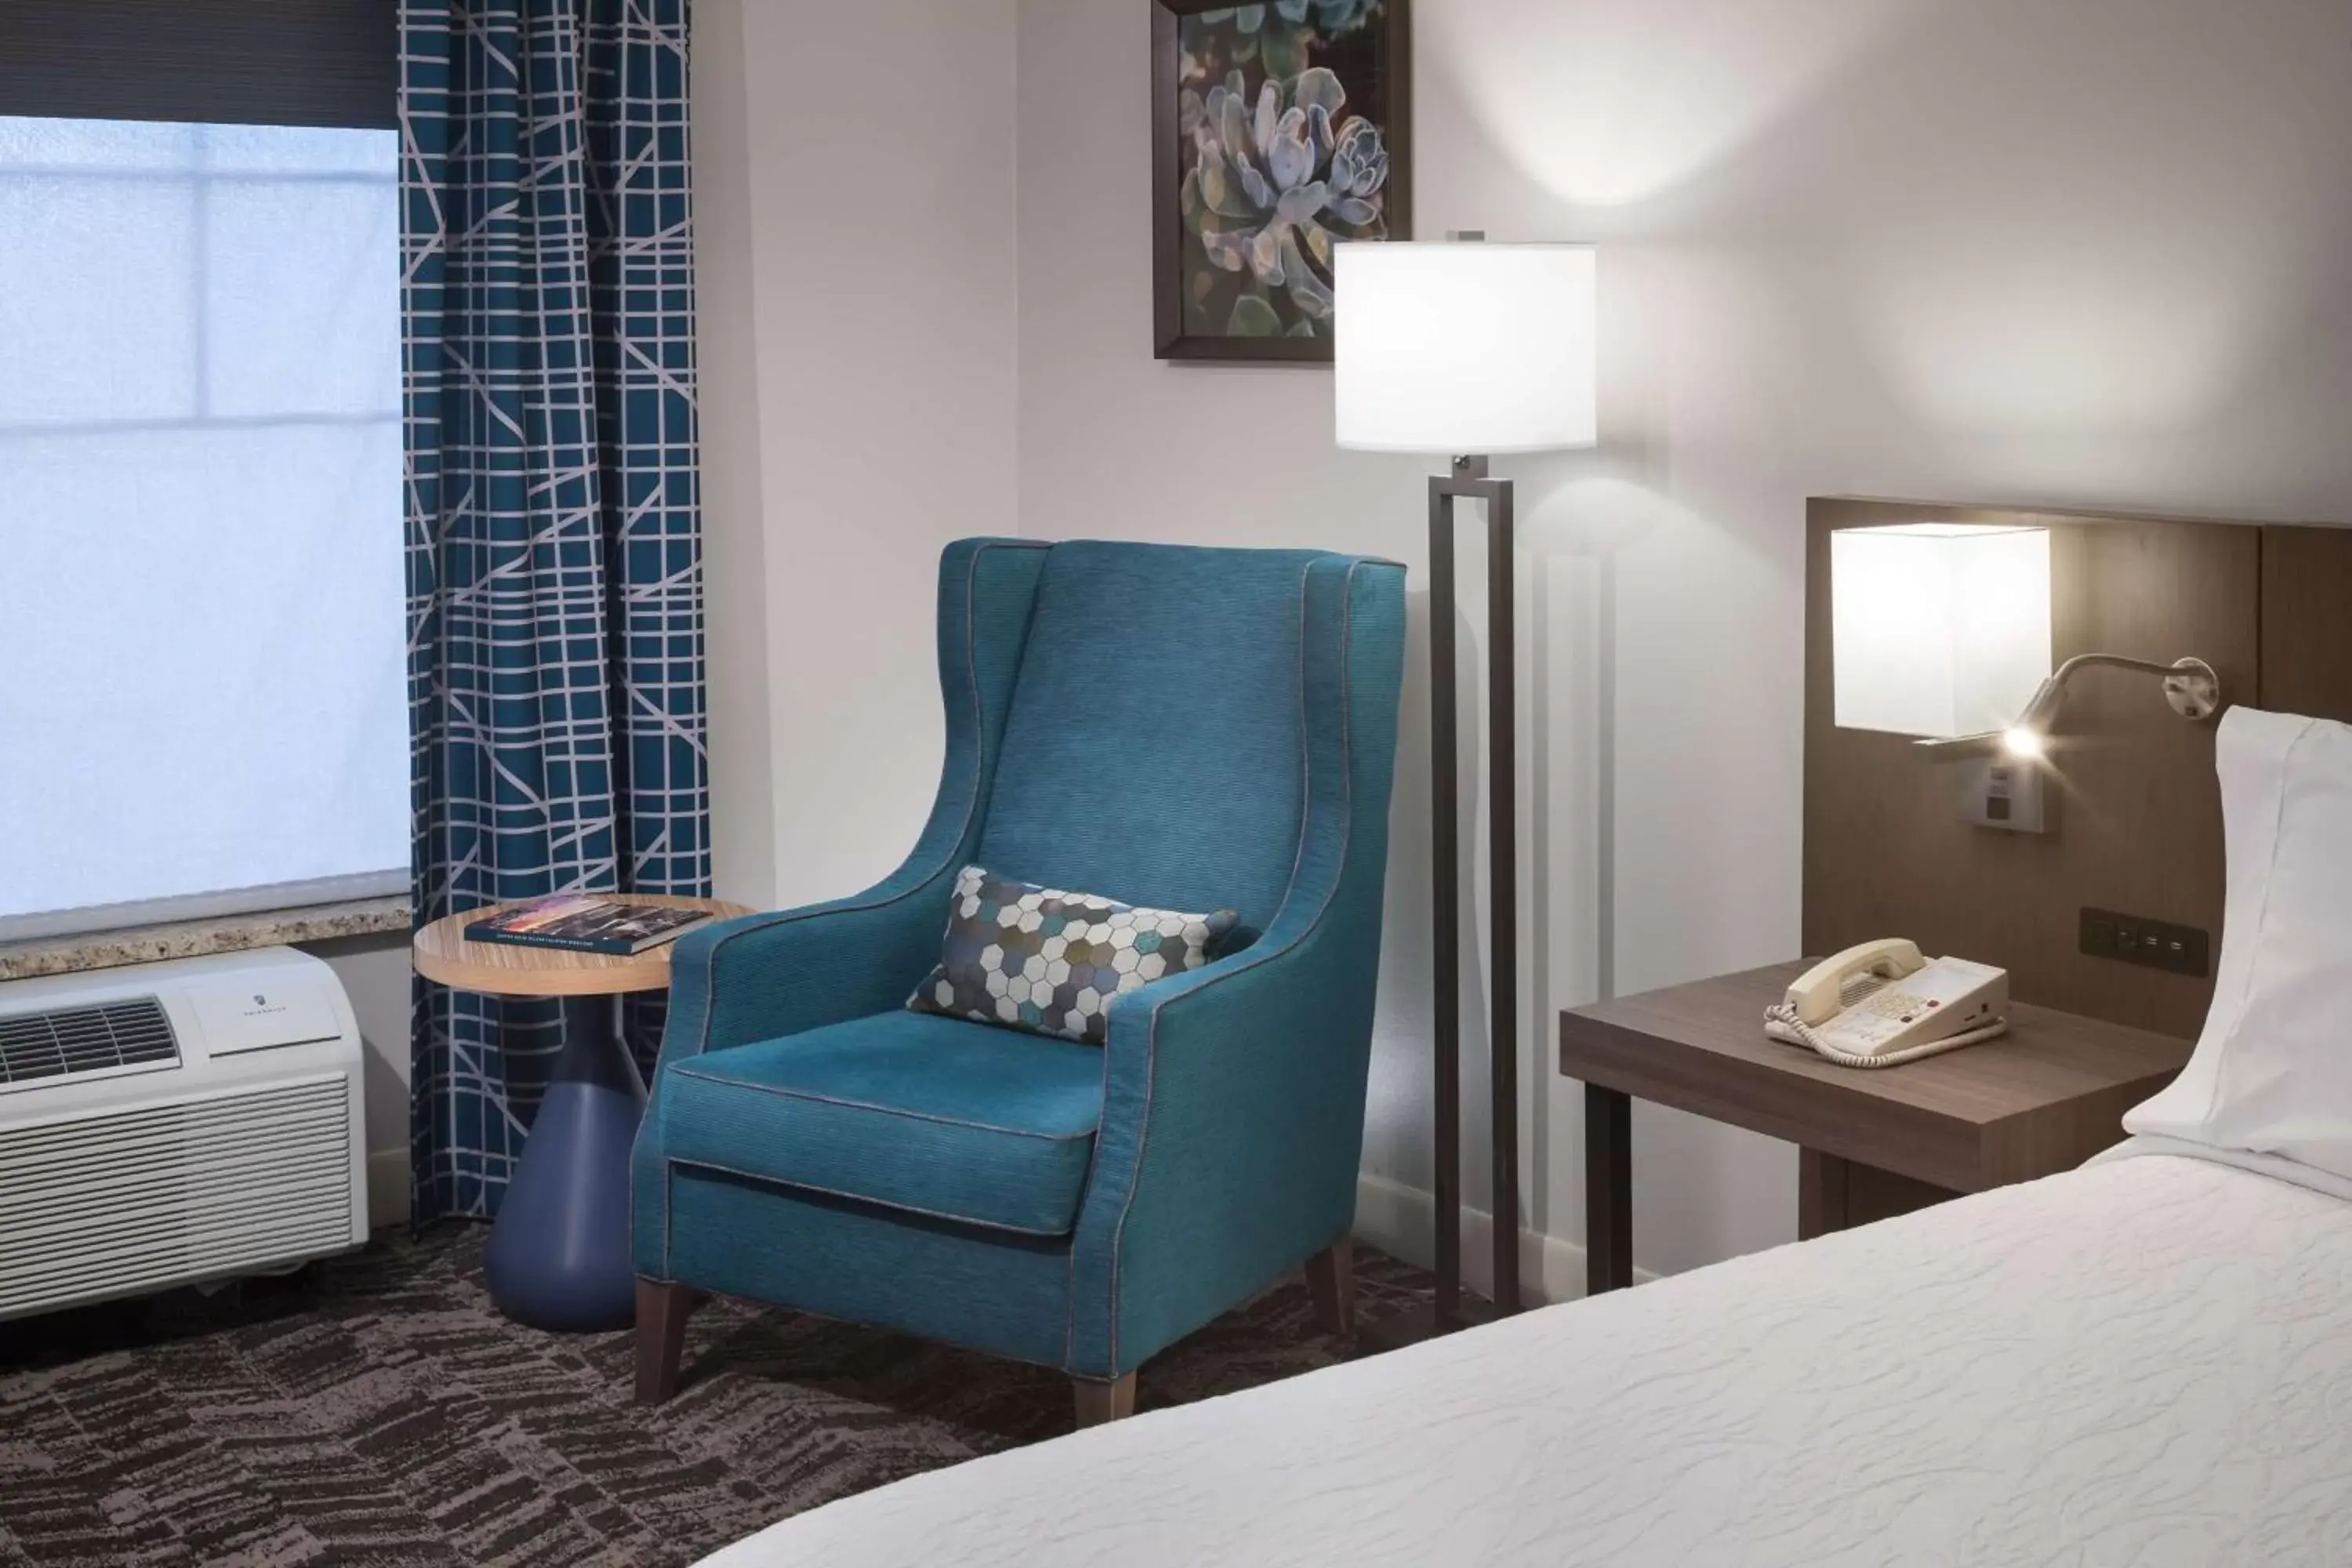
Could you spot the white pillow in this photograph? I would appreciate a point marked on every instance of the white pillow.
(2273, 1071)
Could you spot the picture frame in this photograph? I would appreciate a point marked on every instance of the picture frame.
(1208, 258)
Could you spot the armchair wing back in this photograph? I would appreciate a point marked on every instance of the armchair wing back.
(1185, 728)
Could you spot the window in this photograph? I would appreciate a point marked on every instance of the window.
(203, 704)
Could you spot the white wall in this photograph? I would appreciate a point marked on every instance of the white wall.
(743, 806)
(2095, 253)
(854, 183)
(375, 973)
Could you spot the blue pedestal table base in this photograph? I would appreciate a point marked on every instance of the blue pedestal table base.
(558, 1255)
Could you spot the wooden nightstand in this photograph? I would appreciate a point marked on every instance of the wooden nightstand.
(2041, 1099)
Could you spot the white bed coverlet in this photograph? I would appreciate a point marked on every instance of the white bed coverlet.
(2148, 1361)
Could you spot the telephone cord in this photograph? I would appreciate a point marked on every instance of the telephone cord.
(1781, 1023)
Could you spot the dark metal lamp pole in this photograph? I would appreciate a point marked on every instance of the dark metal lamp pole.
(1470, 481)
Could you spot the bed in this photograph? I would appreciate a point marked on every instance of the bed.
(2148, 1360)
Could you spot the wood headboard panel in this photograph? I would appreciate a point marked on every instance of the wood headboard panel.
(2138, 815)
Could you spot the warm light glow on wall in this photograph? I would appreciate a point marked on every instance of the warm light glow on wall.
(1620, 103)
(1938, 628)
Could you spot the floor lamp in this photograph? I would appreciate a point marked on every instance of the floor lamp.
(1465, 350)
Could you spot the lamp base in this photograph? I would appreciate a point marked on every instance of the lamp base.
(2194, 690)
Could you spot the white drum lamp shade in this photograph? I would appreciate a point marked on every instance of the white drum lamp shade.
(1463, 347)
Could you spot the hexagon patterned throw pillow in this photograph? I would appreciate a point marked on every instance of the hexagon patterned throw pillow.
(1053, 962)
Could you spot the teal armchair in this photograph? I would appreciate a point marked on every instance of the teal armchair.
(1183, 727)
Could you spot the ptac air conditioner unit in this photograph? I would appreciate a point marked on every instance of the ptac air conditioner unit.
(176, 1123)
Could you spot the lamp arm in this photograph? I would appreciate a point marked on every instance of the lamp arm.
(2191, 686)
(2118, 661)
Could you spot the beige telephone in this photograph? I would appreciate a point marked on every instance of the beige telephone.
(1881, 1003)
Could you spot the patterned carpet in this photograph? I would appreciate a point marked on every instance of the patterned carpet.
(373, 1410)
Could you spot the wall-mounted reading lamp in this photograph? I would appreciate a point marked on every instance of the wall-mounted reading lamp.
(2190, 686)
(1942, 630)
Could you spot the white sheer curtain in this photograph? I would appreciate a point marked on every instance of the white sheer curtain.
(201, 670)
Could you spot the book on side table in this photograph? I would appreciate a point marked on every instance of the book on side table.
(578, 923)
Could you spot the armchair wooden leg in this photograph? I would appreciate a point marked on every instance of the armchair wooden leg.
(661, 1338)
(1331, 1281)
(1101, 1402)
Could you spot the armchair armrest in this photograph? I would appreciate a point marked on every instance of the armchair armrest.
(759, 976)
(1232, 1119)
(765, 976)
(1231, 1135)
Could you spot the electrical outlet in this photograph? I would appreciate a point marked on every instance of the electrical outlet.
(2006, 795)
(2153, 944)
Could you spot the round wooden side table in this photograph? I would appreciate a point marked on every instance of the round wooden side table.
(558, 1253)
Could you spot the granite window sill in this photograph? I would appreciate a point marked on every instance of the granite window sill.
(194, 939)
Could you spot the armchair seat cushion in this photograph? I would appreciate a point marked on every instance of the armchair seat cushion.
(932, 1115)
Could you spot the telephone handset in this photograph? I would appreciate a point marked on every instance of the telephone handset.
(1881, 1003)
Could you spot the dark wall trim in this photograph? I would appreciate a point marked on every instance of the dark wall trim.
(228, 62)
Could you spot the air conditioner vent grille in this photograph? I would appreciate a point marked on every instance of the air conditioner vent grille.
(133, 1198)
(134, 1032)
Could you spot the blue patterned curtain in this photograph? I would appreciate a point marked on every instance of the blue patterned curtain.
(554, 548)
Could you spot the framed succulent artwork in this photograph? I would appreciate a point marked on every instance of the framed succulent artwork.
(1279, 132)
